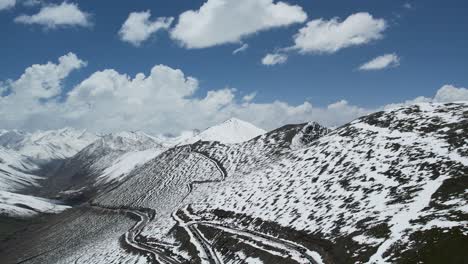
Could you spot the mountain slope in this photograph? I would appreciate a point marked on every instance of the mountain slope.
(112, 158)
(369, 186)
(23, 157)
(108, 159)
(13, 175)
(389, 187)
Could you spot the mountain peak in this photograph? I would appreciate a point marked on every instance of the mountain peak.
(230, 131)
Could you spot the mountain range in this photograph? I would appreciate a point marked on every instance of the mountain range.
(389, 187)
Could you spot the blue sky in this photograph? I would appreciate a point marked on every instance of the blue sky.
(428, 37)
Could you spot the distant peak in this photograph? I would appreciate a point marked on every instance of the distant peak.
(232, 130)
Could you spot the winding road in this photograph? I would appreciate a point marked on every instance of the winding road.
(206, 249)
(130, 237)
(296, 251)
(208, 253)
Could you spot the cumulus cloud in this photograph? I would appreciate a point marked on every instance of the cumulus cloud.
(42, 81)
(329, 36)
(138, 27)
(225, 21)
(165, 100)
(242, 48)
(36, 92)
(381, 62)
(450, 93)
(6, 4)
(274, 58)
(53, 16)
(162, 101)
(249, 97)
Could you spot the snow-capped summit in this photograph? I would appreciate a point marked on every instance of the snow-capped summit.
(229, 132)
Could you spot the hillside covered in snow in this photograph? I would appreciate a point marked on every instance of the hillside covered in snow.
(389, 187)
(24, 157)
(23, 154)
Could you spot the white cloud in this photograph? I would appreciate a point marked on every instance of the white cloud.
(273, 59)
(450, 93)
(408, 5)
(329, 36)
(35, 93)
(249, 97)
(225, 21)
(242, 48)
(6, 4)
(163, 101)
(138, 27)
(53, 16)
(44, 81)
(381, 62)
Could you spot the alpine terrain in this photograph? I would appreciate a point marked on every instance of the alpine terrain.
(389, 187)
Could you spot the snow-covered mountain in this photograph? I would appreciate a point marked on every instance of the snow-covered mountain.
(44, 146)
(23, 154)
(91, 161)
(108, 159)
(389, 187)
(231, 131)
(111, 158)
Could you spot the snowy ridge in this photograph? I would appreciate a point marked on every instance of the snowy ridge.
(44, 146)
(112, 157)
(22, 154)
(107, 160)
